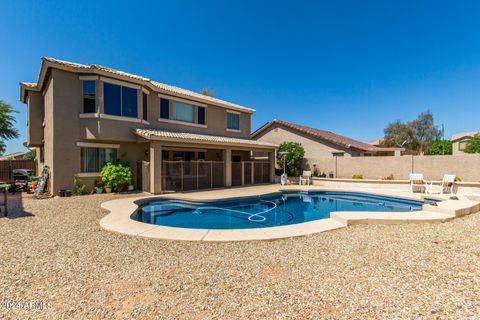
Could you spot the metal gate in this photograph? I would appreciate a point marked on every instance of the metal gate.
(250, 172)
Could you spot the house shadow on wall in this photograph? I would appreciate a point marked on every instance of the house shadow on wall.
(15, 206)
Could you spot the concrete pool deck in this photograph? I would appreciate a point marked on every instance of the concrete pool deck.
(119, 219)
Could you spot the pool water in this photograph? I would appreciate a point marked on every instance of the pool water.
(265, 211)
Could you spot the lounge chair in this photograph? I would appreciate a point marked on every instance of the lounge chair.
(446, 186)
(306, 176)
(417, 182)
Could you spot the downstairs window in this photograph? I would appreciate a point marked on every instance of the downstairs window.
(93, 159)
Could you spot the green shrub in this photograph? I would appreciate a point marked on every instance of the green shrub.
(79, 189)
(116, 176)
(473, 145)
(389, 177)
(357, 176)
(439, 145)
(293, 159)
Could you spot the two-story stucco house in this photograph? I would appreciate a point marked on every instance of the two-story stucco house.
(82, 116)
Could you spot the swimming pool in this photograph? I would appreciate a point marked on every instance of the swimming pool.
(265, 211)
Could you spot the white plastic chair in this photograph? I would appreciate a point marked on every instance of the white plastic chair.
(306, 176)
(446, 186)
(417, 182)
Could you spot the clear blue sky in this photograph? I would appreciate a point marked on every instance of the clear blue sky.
(346, 66)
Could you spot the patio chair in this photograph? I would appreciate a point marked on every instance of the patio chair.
(306, 176)
(446, 186)
(417, 182)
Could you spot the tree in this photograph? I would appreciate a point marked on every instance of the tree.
(207, 92)
(30, 155)
(425, 130)
(417, 135)
(439, 145)
(293, 159)
(7, 130)
(399, 135)
(473, 145)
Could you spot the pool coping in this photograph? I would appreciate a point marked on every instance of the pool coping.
(119, 219)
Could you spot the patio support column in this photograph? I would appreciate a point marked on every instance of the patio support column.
(271, 160)
(228, 167)
(155, 167)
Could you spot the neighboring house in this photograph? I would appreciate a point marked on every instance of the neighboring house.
(13, 156)
(460, 140)
(390, 151)
(318, 143)
(376, 143)
(82, 116)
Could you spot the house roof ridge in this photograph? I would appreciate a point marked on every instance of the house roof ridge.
(318, 133)
(154, 84)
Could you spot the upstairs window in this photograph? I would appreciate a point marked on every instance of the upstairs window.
(93, 159)
(120, 100)
(89, 96)
(164, 109)
(183, 112)
(201, 115)
(145, 106)
(233, 121)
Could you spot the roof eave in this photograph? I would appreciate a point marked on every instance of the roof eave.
(101, 71)
(197, 141)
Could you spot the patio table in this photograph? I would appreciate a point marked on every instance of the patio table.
(4, 187)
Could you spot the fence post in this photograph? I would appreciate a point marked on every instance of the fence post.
(181, 174)
(243, 173)
(413, 163)
(253, 173)
(197, 174)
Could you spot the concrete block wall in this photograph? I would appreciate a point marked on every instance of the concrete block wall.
(466, 166)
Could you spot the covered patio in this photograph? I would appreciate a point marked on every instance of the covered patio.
(181, 161)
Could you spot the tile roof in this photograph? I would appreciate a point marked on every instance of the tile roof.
(461, 135)
(153, 84)
(151, 134)
(320, 134)
(376, 143)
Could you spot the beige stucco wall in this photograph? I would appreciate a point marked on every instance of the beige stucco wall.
(215, 120)
(35, 111)
(314, 148)
(456, 147)
(467, 167)
(48, 132)
(61, 105)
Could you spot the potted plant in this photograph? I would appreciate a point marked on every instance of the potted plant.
(79, 188)
(99, 186)
(116, 176)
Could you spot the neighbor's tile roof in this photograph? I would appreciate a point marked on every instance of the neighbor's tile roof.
(155, 84)
(320, 134)
(198, 138)
(376, 142)
(463, 135)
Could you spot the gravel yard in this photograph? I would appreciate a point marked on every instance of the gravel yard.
(54, 251)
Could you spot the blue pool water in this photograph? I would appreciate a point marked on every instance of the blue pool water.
(265, 211)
